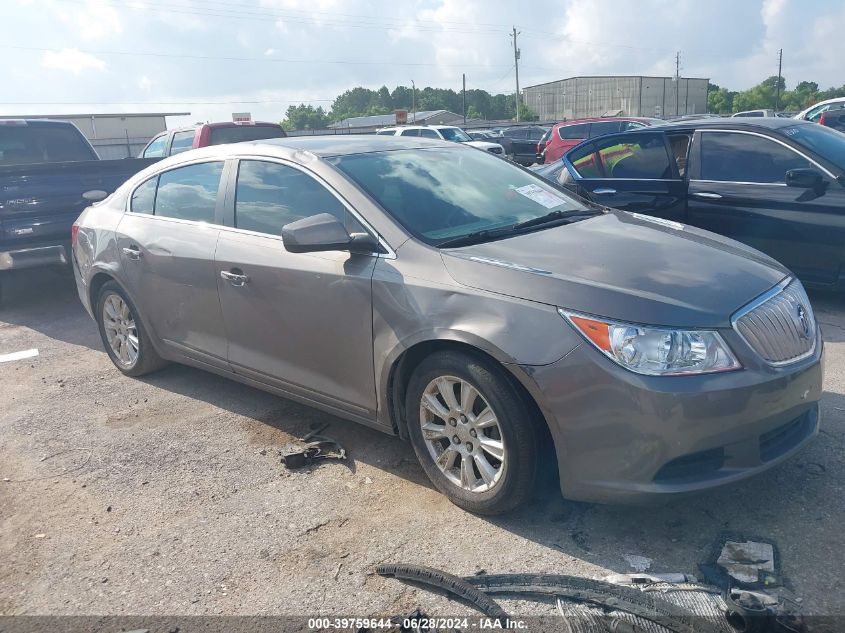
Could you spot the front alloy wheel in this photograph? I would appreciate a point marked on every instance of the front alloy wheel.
(477, 436)
(462, 434)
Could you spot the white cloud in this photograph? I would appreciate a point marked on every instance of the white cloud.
(72, 60)
(144, 83)
(97, 19)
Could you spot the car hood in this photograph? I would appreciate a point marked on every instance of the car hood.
(482, 144)
(622, 266)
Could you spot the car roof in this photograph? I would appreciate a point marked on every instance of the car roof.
(772, 123)
(224, 124)
(595, 119)
(325, 146)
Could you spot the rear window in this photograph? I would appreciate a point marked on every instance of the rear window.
(578, 131)
(27, 144)
(220, 135)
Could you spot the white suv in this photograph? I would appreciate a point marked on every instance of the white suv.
(444, 133)
(814, 112)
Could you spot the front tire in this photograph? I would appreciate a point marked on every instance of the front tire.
(473, 433)
(124, 337)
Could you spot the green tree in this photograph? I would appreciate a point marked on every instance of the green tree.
(720, 101)
(305, 117)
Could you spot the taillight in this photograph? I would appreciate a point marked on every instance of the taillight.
(73, 232)
(821, 119)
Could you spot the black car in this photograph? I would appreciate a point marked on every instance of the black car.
(524, 139)
(775, 184)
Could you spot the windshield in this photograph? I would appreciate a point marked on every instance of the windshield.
(221, 135)
(824, 141)
(442, 193)
(455, 134)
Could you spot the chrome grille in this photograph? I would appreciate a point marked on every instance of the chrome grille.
(780, 325)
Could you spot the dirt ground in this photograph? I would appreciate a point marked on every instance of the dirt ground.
(165, 495)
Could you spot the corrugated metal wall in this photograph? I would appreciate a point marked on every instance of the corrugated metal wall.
(581, 97)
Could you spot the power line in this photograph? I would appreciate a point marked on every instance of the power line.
(253, 59)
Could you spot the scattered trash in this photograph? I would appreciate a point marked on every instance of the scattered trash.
(319, 429)
(748, 562)
(638, 563)
(646, 579)
(319, 449)
(452, 585)
(40, 536)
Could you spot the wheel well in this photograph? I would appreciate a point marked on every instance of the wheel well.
(97, 282)
(409, 360)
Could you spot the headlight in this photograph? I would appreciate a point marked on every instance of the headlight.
(656, 351)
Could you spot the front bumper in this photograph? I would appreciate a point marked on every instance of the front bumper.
(625, 438)
(33, 257)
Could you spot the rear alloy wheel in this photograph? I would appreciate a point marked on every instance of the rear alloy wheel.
(124, 337)
(473, 432)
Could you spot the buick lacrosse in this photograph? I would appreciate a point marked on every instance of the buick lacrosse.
(442, 294)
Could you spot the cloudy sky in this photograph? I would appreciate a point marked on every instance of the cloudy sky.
(215, 57)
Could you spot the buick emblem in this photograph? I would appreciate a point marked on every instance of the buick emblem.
(801, 313)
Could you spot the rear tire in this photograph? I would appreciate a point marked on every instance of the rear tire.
(124, 337)
(474, 435)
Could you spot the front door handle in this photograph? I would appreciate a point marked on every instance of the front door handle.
(707, 194)
(237, 279)
(132, 252)
(604, 191)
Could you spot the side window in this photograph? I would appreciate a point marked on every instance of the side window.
(156, 148)
(535, 134)
(639, 155)
(605, 127)
(573, 132)
(190, 192)
(269, 195)
(386, 132)
(734, 157)
(429, 134)
(144, 197)
(182, 142)
(583, 160)
(411, 132)
(517, 135)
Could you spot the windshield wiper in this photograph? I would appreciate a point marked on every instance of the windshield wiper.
(477, 237)
(554, 216)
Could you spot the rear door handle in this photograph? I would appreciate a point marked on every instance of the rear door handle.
(237, 279)
(604, 191)
(707, 194)
(132, 252)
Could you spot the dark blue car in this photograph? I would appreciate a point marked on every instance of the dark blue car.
(774, 184)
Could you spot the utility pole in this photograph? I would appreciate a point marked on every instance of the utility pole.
(464, 97)
(677, 81)
(516, 66)
(777, 90)
(414, 100)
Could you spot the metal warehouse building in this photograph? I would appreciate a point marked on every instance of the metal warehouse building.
(579, 97)
(114, 135)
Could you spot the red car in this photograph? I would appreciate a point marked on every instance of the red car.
(564, 136)
(204, 134)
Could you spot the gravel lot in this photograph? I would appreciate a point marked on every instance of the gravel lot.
(165, 495)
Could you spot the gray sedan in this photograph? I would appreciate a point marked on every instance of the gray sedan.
(442, 294)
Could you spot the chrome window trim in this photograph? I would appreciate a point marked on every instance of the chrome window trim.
(704, 131)
(391, 254)
(756, 303)
(740, 182)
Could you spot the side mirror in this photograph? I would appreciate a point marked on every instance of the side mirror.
(804, 178)
(323, 232)
(95, 195)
